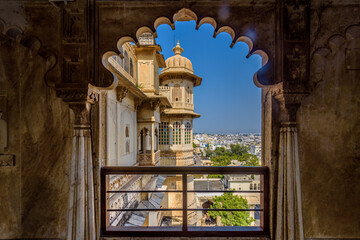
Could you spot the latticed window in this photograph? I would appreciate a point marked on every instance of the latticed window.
(164, 133)
(188, 133)
(177, 133)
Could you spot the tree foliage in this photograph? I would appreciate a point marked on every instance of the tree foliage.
(237, 149)
(231, 218)
(222, 157)
(250, 160)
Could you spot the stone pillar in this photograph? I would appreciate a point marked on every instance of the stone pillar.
(289, 222)
(170, 135)
(148, 140)
(289, 213)
(182, 133)
(81, 211)
(152, 146)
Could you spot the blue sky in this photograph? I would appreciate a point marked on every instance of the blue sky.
(227, 99)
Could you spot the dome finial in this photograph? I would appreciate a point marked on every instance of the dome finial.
(178, 50)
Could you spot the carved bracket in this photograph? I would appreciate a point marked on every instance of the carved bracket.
(154, 103)
(121, 93)
(138, 104)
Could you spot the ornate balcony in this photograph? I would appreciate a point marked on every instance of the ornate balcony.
(148, 158)
(189, 106)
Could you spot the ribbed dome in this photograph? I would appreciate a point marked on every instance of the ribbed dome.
(178, 61)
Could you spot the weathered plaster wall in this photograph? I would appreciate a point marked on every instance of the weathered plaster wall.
(34, 192)
(329, 131)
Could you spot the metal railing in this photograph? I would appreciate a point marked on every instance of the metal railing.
(185, 230)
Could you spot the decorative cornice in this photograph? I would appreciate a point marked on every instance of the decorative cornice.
(72, 94)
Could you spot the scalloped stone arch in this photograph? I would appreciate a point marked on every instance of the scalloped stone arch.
(163, 20)
(208, 20)
(228, 30)
(186, 14)
(105, 61)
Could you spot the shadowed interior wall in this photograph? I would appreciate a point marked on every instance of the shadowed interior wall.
(34, 192)
(329, 131)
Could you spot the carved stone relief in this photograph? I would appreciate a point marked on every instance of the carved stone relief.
(74, 21)
(5, 159)
(73, 69)
(295, 24)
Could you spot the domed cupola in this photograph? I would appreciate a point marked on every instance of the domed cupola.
(178, 63)
(179, 67)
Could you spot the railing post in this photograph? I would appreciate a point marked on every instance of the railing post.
(104, 205)
(184, 186)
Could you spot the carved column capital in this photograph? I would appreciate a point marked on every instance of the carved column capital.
(82, 113)
(289, 97)
(79, 99)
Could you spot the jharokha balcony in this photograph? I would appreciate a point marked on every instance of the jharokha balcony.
(148, 158)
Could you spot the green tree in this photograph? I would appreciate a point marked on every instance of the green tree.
(231, 218)
(249, 159)
(237, 149)
(219, 151)
(221, 160)
(209, 153)
(194, 145)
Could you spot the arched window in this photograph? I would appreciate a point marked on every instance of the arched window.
(131, 67)
(126, 61)
(187, 95)
(164, 133)
(127, 131)
(254, 186)
(176, 93)
(177, 133)
(188, 133)
(251, 186)
(142, 141)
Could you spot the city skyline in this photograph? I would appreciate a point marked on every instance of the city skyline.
(231, 104)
